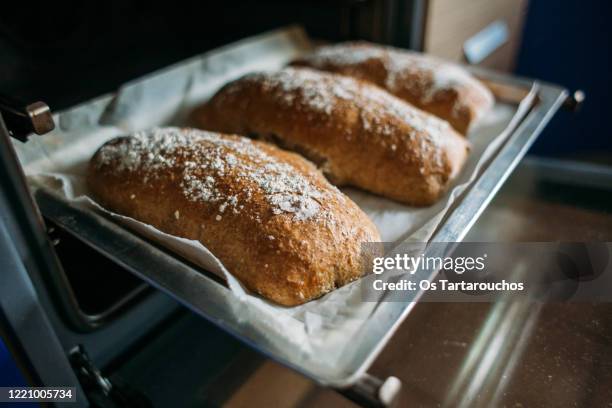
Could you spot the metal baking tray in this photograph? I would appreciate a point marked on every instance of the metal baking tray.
(206, 295)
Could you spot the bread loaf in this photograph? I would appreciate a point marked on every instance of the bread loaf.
(358, 134)
(442, 88)
(269, 215)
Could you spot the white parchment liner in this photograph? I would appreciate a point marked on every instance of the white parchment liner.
(320, 330)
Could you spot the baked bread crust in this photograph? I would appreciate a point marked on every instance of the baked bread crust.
(269, 215)
(442, 88)
(357, 133)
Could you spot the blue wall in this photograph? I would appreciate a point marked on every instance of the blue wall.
(10, 376)
(568, 42)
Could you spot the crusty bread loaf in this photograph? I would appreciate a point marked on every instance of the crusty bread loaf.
(442, 88)
(269, 215)
(357, 133)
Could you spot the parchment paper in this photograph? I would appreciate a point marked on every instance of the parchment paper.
(319, 330)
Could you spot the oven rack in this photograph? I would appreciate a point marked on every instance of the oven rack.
(206, 295)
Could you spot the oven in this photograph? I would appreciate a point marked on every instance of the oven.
(86, 304)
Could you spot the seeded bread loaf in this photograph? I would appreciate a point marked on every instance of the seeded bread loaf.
(442, 88)
(357, 133)
(269, 215)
